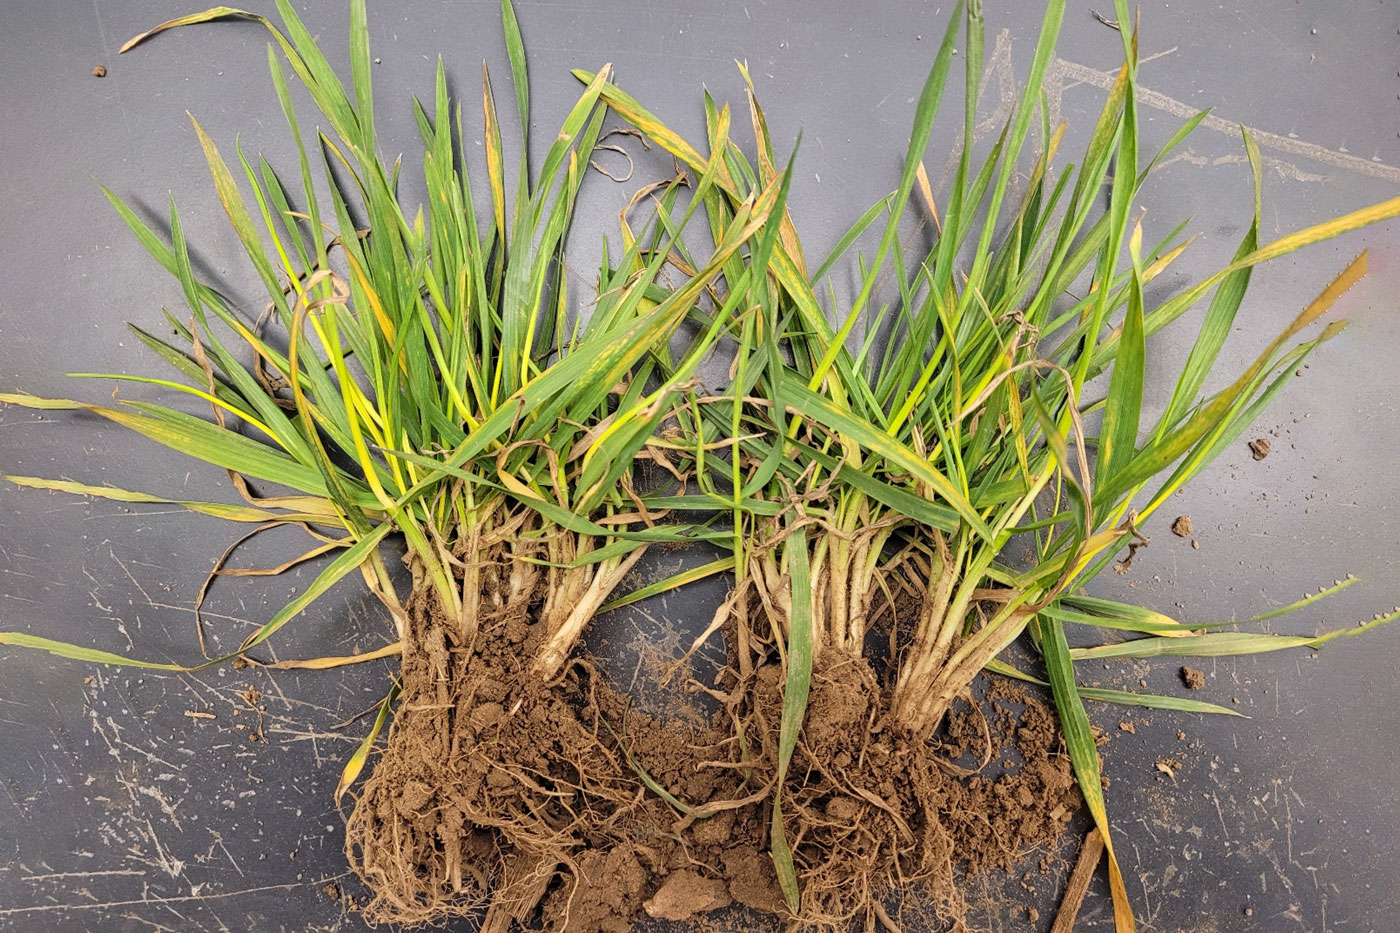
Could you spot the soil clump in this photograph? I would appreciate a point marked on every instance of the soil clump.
(1193, 679)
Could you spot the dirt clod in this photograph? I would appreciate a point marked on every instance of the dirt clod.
(1193, 678)
(684, 894)
(100, 71)
(752, 880)
(1259, 447)
(1182, 526)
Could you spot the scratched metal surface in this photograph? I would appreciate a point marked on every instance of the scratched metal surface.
(137, 802)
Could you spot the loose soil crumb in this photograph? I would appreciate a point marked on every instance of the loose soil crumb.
(1128, 727)
(1259, 447)
(1182, 526)
(526, 803)
(100, 71)
(1192, 678)
(253, 697)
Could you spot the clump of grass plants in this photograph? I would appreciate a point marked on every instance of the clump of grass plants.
(884, 470)
(903, 482)
(429, 380)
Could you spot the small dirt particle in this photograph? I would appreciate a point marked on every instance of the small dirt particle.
(100, 71)
(1259, 447)
(1192, 678)
(1127, 727)
(1249, 911)
(1032, 915)
(1168, 766)
(331, 890)
(1182, 526)
(1195, 545)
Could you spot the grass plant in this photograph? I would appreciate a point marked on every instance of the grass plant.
(909, 446)
(419, 372)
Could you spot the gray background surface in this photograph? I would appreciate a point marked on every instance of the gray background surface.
(120, 812)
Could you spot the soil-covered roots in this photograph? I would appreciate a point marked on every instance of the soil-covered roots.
(555, 804)
(492, 778)
(874, 809)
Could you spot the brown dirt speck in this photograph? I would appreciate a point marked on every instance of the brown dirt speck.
(1259, 448)
(1192, 678)
(100, 71)
(1182, 526)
